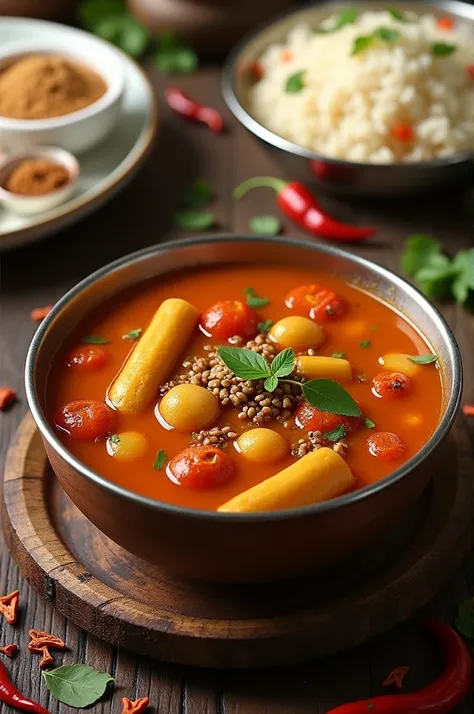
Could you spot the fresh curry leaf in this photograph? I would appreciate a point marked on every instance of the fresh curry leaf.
(245, 364)
(336, 434)
(194, 220)
(442, 49)
(133, 334)
(254, 300)
(465, 620)
(295, 83)
(264, 326)
(198, 195)
(361, 43)
(265, 225)
(115, 439)
(368, 423)
(77, 685)
(329, 396)
(161, 459)
(365, 343)
(423, 359)
(271, 383)
(283, 363)
(346, 16)
(94, 340)
(339, 355)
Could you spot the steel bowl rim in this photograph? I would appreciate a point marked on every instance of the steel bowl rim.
(278, 142)
(413, 293)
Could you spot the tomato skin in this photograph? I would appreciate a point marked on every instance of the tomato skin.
(316, 302)
(201, 468)
(386, 446)
(312, 419)
(403, 132)
(85, 419)
(228, 318)
(87, 359)
(391, 385)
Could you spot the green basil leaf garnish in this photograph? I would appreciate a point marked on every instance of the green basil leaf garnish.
(329, 396)
(295, 83)
(245, 364)
(94, 340)
(77, 685)
(423, 359)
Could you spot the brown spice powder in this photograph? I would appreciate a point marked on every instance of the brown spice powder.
(34, 177)
(43, 86)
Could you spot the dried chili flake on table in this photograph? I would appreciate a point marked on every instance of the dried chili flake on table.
(39, 313)
(187, 107)
(468, 410)
(9, 650)
(396, 676)
(134, 706)
(7, 397)
(41, 643)
(9, 606)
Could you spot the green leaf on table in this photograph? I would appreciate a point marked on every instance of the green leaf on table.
(194, 220)
(442, 49)
(77, 685)
(463, 265)
(265, 326)
(172, 56)
(198, 195)
(368, 423)
(418, 251)
(94, 340)
(271, 383)
(423, 359)
(339, 355)
(254, 300)
(244, 363)
(265, 225)
(92, 11)
(111, 20)
(161, 459)
(133, 334)
(365, 344)
(134, 37)
(295, 83)
(283, 363)
(336, 434)
(346, 16)
(436, 276)
(465, 620)
(329, 396)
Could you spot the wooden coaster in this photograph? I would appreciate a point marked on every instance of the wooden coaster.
(129, 603)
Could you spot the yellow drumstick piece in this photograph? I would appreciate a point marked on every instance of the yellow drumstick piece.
(316, 477)
(328, 367)
(154, 356)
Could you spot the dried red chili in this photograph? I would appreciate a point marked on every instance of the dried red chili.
(12, 696)
(396, 676)
(440, 697)
(39, 313)
(468, 410)
(9, 650)
(41, 643)
(183, 105)
(7, 397)
(134, 706)
(295, 201)
(9, 606)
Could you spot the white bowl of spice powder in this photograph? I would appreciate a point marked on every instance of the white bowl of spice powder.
(65, 94)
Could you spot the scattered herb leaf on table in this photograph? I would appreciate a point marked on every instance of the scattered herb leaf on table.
(77, 685)
(265, 225)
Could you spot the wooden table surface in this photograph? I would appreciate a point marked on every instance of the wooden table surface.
(141, 216)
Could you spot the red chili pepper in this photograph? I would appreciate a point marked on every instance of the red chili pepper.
(440, 697)
(297, 203)
(10, 695)
(189, 108)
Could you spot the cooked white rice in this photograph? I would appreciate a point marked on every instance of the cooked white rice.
(351, 106)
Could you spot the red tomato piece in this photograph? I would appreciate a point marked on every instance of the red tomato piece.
(228, 318)
(312, 419)
(385, 446)
(316, 302)
(391, 385)
(403, 132)
(287, 56)
(446, 23)
(201, 467)
(88, 358)
(86, 419)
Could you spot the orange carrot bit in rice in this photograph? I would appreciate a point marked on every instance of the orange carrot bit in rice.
(470, 70)
(134, 706)
(257, 71)
(9, 606)
(446, 23)
(396, 676)
(39, 313)
(468, 410)
(287, 56)
(9, 650)
(7, 397)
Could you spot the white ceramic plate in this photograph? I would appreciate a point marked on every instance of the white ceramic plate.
(107, 168)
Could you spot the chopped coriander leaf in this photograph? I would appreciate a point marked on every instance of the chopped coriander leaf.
(94, 340)
(133, 334)
(265, 225)
(387, 34)
(423, 359)
(336, 434)
(361, 43)
(373, 328)
(346, 16)
(254, 300)
(161, 459)
(369, 424)
(115, 439)
(265, 326)
(339, 355)
(194, 220)
(295, 83)
(442, 49)
(173, 57)
(365, 343)
(397, 14)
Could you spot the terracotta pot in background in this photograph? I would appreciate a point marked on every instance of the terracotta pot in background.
(210, 26)
(43, 9)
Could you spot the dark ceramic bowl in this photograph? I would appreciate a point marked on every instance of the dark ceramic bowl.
(337, 175)
(241, 547)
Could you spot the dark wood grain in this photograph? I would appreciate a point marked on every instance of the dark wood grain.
(141, 216)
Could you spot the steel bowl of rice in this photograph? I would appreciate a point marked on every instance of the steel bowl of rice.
(366, 98)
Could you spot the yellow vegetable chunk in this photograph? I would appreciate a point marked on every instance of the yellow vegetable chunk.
(262, 446)
(413, 420)
(327, 367)
(154, 356)
(316, 477)
(127, 446)
(354, 328)
(188, 407)
(299, 333)
(395, 362)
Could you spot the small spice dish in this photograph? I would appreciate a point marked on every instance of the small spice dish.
(32, 204)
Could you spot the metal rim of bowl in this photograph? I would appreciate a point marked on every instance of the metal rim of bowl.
(275, 140)
(339, 502)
